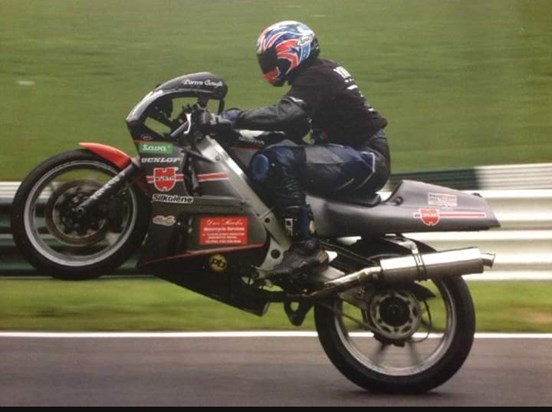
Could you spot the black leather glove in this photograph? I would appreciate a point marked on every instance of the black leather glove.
(211, 123)
(222, 128)
(231, 114)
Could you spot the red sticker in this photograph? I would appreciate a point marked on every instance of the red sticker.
(212, 177)
(164, 178)
(224, 230)
(429, 216)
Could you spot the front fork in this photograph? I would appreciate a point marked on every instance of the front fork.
(127, 174)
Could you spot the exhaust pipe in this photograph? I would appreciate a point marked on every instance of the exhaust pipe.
(415, 267)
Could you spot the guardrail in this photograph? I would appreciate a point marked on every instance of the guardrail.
(523, 244)
(506, 177)
(521, 197)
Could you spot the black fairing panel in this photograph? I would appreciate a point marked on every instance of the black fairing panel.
(203, 86)
(205, 243)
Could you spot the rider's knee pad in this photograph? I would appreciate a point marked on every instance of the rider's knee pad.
(260, 165)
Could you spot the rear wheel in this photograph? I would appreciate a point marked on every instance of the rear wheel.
(407, 338)
(59, 242)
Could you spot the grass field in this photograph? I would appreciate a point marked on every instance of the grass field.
(462, 82)
(152, 304)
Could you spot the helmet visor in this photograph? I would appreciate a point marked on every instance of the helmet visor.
(268, 60)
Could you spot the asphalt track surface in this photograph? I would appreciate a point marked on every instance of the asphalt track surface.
(246, 370)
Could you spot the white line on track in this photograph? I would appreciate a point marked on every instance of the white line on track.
(246, 334)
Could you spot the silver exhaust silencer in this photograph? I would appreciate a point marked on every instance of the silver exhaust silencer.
(434, 265)
(415, 267)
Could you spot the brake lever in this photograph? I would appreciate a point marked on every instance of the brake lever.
(184, 128)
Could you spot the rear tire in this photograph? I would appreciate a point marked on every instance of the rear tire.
(396, 338)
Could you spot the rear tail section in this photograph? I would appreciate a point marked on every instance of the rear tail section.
(412, 207)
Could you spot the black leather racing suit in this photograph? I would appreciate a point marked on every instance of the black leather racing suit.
(350, 153)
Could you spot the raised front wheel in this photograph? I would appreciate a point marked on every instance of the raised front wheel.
(63, 243)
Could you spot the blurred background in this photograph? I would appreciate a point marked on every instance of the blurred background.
(463, 82)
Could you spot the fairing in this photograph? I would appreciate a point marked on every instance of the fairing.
(203, 86)
(412, 207)
(201, 242)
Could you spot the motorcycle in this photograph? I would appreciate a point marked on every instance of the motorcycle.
(392, 314)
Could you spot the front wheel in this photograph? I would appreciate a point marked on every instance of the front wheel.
(398, 339)
(59, 242)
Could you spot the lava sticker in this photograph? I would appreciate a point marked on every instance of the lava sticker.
(223, 230)
(155, 148)
(164, 178)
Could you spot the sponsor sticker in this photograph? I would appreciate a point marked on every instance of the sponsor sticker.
(218, 263)
(159, 159)
(155, 148)
(442, 200)
(431, 216)
(164, 220)
(183, 200)
(223, 230)
(164, 178)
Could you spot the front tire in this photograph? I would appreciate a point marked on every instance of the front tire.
(58, 242)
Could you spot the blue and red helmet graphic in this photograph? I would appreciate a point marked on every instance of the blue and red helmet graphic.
(284, 46)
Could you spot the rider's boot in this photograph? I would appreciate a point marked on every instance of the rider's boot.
(305, 257)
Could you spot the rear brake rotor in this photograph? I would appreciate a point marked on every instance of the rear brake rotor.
(396, 314)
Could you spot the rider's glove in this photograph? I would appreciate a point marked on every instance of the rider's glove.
(211, 123)
(218, 125)
(231, 114)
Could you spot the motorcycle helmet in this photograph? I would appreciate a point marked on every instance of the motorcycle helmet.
(283, 47)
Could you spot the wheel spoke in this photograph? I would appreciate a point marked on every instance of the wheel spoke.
(413, 353)
(379, 353)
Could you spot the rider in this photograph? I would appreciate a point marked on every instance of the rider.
(348, 152)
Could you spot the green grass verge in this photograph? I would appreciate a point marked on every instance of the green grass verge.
(151, 304)
(462, 82)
